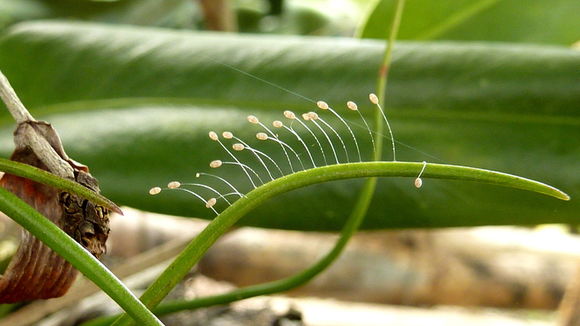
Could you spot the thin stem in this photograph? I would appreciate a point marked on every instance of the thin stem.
(351, 226)
(337, 136)
(303, 144)
(384, 74)
(221, 179)
(349, 130)
(79, 257)
(212, 189)
(196, 195)
(422, 169)
(256, 154)
(243, 166)
(28, 136)
(267, 157)
(315, 138)
(390, 131)
(202, 242)
(13, 103)
(169, 278)
(281, 145)
(369, 131)
(327, 139)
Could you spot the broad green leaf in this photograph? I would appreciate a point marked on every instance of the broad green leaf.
(531, 21)
(136, 105)
(168, 13)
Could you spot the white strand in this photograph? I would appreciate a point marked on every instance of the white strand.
(328, 139)
(246, 146)
(209, 188)
(243, 166)
(303, 144)
(247, 167)
(290, 148)
(349, 130)
(196, 195)
(315, 138)
(268, 157)
(222, 179)
(284, 149)
(337, 136)
(370, 132)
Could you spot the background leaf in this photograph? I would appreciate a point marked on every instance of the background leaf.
(168, 13)
(14, 11)
(532, 21)
(136, 106)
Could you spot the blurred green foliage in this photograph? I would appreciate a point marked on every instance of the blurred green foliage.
(530, 21)
(135, 103)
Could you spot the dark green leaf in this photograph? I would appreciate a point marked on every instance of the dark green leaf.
(136, 106)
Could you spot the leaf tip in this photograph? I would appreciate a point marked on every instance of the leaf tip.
(564, 196)
(117, 210)
(559, 194)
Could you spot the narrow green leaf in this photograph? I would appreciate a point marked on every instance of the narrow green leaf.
(81, 259)
(47, 178)
(201, 243)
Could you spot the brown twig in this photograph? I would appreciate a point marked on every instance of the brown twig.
(35, 134)
(13, 103)
(37, 272)
(218, 15)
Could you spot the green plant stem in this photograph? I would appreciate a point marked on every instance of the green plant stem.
(284, 284)
(386, 62)
(384, 76)
(198, 246)
(47, 178)
(351, 226)
(81, 259)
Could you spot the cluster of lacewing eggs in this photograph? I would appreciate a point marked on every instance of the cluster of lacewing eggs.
(308, 116)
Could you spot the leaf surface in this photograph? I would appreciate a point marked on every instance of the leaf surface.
(136, 104)
(532, 21)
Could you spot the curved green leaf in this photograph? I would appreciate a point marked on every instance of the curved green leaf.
(202, 242)
(85, 66)
(136, 105)
(532, 21)
(73, 252)
(44, 177)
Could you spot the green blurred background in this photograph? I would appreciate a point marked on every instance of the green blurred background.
(133, 87)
